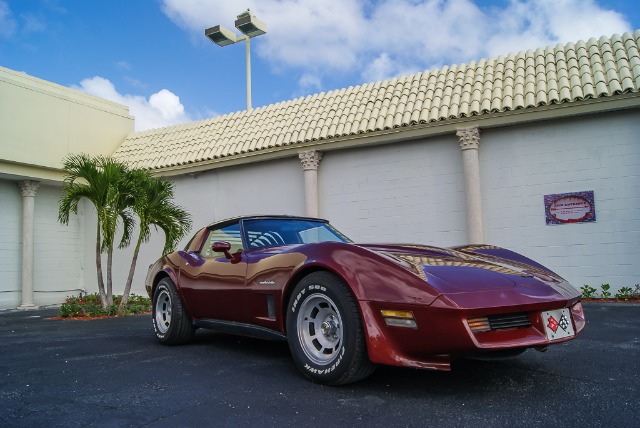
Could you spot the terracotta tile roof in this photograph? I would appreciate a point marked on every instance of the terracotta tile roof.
(597, 68)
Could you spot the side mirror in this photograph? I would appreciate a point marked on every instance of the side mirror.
(222, 247)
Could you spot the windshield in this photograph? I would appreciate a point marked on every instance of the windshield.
(269, 232)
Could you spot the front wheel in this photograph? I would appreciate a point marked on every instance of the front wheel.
(325, 332)
(171, 322)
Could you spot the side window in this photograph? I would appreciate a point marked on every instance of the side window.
(264, 233)
(230, 234)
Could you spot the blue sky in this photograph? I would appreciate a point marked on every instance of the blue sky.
(152, 54)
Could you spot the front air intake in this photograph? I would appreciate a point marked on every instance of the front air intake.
(499, 322)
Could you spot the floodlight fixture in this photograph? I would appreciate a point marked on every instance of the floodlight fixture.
(249, 26)
(221, 36)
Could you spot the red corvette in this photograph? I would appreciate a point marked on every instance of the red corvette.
(345, 307)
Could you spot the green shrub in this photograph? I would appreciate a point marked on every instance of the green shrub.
(627, 293)
(605, 293)
(90, 306)
(588, 292)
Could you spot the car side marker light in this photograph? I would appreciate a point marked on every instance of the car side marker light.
(395, 318)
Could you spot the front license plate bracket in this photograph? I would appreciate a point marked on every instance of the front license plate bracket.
(558, 324)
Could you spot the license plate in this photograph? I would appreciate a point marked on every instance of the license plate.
(557, 324)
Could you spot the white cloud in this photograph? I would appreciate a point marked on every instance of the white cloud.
(380, 68)
(381, 38)
(161, 109)
(530, 24)
(123, 65)
(310, 81)
(32, 23)
(7, 23)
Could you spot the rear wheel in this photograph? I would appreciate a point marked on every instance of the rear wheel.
(325, 332)
(171, 322)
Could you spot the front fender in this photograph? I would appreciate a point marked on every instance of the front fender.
(370, 276)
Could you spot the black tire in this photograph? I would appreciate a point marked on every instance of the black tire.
(171, 322)
(325, 331)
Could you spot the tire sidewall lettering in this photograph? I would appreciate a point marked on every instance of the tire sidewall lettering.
(325, 371)
(161, 287)
(300, 296)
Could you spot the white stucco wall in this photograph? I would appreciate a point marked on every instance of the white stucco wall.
(519, 165)
(414, 192)
(58, 249)
(10, 244)
(41, 122)
(405, 192)
(409, 192)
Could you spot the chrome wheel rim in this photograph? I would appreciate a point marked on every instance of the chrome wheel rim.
(320, 331)
(163, 311)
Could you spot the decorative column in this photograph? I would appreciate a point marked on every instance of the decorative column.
(310, 163)
(469, 144)
(28, 189)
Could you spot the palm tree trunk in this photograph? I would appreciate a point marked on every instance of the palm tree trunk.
(103, 296)
(109, 276)
(132, 269)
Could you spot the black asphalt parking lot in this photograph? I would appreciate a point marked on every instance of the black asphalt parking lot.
(113, 373)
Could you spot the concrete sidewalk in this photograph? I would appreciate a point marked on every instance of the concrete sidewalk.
(113, 373)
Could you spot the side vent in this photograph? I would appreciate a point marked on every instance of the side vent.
(271, 307)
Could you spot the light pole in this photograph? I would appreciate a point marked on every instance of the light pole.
(249, 26)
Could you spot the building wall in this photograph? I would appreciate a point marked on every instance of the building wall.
(406, 192)
(58, 250)
(401, 192)
(42, 122)
(414, 192)
(519, 165)
(10, 244)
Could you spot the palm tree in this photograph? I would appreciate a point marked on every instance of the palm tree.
(105, 183)
(153, 203)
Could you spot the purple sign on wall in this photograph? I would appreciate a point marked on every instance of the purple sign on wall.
(577, 207)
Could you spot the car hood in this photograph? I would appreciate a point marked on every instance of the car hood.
(454, 271)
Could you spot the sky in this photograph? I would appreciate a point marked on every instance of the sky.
(152, 55)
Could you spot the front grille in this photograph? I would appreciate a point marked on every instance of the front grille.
(499, 322)
(503, 322)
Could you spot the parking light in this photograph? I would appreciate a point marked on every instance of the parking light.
(396, 318)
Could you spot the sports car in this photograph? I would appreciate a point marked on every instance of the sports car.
(345, 307)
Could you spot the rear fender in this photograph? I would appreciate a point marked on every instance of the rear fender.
(166, 271)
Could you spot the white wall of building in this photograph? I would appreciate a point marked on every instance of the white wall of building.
(414, 192)
(409, 192)
(402, 192)
(58, 249)
(10, 244)
(41, 123)
(519, 165)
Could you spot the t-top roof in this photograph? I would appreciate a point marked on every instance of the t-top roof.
(564, 74)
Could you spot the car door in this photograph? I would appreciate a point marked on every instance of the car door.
(214, 286)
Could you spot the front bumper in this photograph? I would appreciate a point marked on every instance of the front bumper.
(443, 332)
